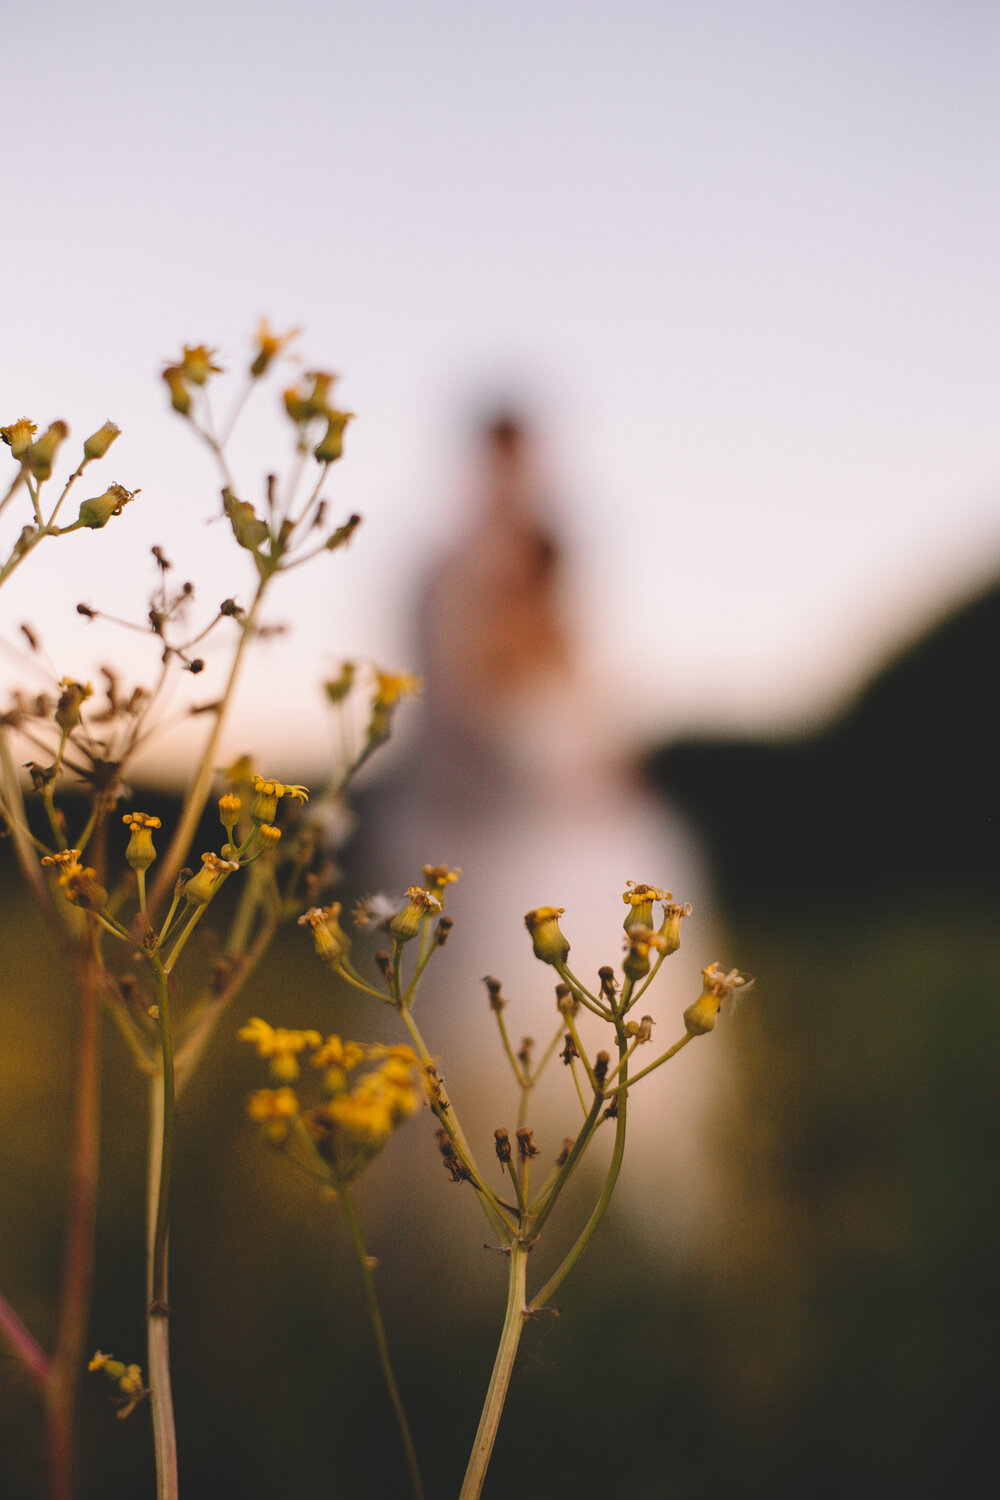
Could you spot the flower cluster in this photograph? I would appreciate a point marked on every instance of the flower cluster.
(359, 1110)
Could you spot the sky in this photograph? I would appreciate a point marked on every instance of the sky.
(740, 260)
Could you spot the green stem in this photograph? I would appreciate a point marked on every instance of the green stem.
(202, 784)
(496, 1395)
(449, 1120)
(664, 1057)
(556, 1279)
(161, 1132)
(78, 1262)
(367, 1265)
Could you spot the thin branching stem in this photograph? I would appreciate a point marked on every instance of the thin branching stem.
(367, 1265)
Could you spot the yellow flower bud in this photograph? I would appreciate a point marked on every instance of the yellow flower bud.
(639, 940)
(180, 396)
(329, 937)
(419, 904)
(100, 441)
(670, 931)
(331, 445)
(140, 852)
(97, 512)
(202, 887)
(549, 943)
(18, 436)
(229, 811)
(639, 900)
(197, 363)
(72, 698)
(41, 455)
(701, 1016)
(268, 345)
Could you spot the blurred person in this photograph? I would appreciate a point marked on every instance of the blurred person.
(515, 775)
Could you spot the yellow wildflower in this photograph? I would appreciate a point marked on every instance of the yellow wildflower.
(701, 1016)
(269, 794)
(18, 436)
(272, 1104)
(72, 698)
(64, 858)
(638, 941)
(203, 886)
(329, 937)
(268, 346)
(673, 913)
(419, 904)
(41, 455)
(639, 900)
(390, 687)
(549, 943)
(198, 363)
(140, 852)
(280, 1044)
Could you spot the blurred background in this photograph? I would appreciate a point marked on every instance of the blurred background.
(728, 272)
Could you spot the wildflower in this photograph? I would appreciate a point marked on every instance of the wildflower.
(503, 1150)
(197, 364)
(419, 904)
(336, 1053)
(670, 931)
(437, 877)
(268, 346)
(279, 1044)
(100, 441)
(229, 811)
(128, 1379)
(269, 794)
(337, 688)
(353, 1127)
(140, 852)
(267, 835)
(72, 698)
(337, 1058)
(97, 512)
(18, 436)
(273, 1104)
(80, 886)
(638, 941)
(302, 406)
(203, 886)
(273, 1109)
(249, 530)
(331, 445)
(549, 943)
(40, 457)
(639, 900)
(64, 859)
(329, 937)
(180, 396)
(392, 686)
(701, 1016)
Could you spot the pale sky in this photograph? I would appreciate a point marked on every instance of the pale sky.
(741, 257)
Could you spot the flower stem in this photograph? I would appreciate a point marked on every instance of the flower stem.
(202, 784)
(78, 1261)
(161, 1131)
(496, 1395)
(367, 1271)
(556, 1279)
